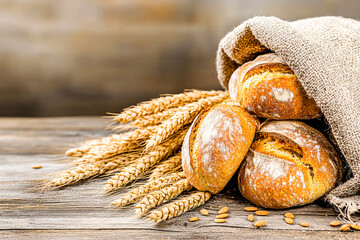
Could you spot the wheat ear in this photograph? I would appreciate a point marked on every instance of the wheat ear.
(163, 195)
(138, 192)
(180, 206)
(154, 119)
(86, 146)
(161, 104)
(173, 164)
(82, 172)
(143, 164)
(185, 115)
(127, 142)
(116, 158)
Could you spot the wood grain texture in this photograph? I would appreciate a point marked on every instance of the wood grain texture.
(75, 212)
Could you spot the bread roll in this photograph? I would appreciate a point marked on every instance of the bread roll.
(288, 164)
(215, 145)
(268, 88)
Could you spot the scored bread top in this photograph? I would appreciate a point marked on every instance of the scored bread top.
(215, 145)
(291, 162)
(315, 147)
(270, 62)
(268, 88)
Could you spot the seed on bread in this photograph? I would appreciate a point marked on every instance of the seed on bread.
(193, 219)
(251, 217)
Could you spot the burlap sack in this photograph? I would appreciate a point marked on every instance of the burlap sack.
(324, 53)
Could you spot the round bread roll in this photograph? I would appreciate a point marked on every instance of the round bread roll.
(289, 164)
(215, 145)
(268, 88)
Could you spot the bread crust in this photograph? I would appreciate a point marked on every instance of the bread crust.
(289, 164)
(215, 145)
(268, 88)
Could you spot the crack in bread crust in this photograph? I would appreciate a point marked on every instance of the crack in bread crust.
(281, 147)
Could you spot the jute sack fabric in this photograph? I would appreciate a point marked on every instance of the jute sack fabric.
(324, 53)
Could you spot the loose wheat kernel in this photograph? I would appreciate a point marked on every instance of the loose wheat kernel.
(289, 215)
(289, 220)
(355, 226)
(251, 217)
(204, 212)
(250, 209)
(259, 223)
(345, 227)
(193, 219)
(335, 223)
(222, 220)
(223, 210)
(224, 215)
(37, 166)
(304, 224)
(262, 213)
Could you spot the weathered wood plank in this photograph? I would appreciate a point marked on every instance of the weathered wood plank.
(49, 135)
(82, 208)
(55, 123)
(210, 233)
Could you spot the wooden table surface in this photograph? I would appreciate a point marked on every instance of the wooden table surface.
(83, 211)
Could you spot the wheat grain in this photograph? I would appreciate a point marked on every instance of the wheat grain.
(138, 192)
(180, 206)
(185, 115)
(173, 164)
(83, 172)
(160, 196)
(161, 104)
(143, 164)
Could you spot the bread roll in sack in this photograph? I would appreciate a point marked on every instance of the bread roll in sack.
(268, 88)
(215, 145)
(289, 164)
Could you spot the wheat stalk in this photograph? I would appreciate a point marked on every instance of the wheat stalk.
(180, 206)
(158, 197)
(161, 104)
(183, 116)
(138, 192)
(143, 164)
(82, 172)
(173, 164)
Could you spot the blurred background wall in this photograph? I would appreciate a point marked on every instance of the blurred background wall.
(88, 57)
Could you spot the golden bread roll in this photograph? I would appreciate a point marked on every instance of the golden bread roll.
(288, 164)
(268, 88)
(215, 145)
